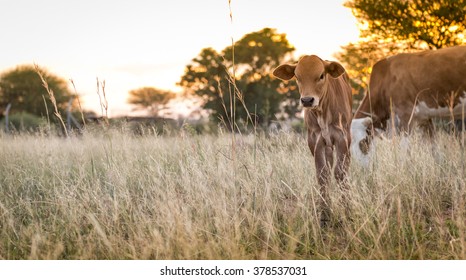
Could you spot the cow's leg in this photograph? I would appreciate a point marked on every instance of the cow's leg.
(428, 128)
(323, 167)
(429, 131)
(329, 157)
(342, 147)
(343, 158)
(406, 125)
(319, 151)
(327, 171)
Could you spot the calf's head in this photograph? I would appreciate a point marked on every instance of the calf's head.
(312, 74)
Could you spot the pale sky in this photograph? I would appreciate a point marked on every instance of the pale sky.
(137, 43)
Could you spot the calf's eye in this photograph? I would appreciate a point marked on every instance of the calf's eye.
(322, 76)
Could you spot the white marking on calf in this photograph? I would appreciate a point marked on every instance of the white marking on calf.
(358, 134)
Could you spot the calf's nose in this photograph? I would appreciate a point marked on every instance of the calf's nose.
(307, 101)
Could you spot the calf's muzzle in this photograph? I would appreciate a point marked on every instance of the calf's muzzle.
(307, 101)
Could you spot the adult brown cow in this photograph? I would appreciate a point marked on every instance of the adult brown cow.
(412, 88)
(326, 97)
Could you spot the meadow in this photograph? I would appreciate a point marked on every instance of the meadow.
(111, 195)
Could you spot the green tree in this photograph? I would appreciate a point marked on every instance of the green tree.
(23, 89)
(393, 26)
(238, 80)
(150, 98)
(416, 23)
(202, 79)
(358, 59)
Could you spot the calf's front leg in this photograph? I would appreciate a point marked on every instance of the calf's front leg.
(322, 163)
(341, 170)
(323, 168)
(343, 160)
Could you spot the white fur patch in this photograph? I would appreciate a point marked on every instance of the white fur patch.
(422, 111)
(359, 133)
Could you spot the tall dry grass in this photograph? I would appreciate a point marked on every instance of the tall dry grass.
(115, 196)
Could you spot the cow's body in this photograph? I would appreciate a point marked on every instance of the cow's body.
(411, 89)
(326, 97)
(329, 129)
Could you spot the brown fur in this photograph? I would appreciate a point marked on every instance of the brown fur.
(400, 82)
(328, 119)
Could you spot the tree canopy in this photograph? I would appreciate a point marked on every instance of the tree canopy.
(150, 98)
(237, 82)
(416, 23)
(23, 89)
(393, 26)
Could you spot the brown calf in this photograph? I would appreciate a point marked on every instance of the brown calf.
(326, 97)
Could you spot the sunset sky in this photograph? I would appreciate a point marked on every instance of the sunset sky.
(138, 43)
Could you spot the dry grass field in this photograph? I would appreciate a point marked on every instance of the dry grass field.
(111, 195)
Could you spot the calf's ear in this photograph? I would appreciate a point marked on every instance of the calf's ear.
(284, 72)
(334, 68)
